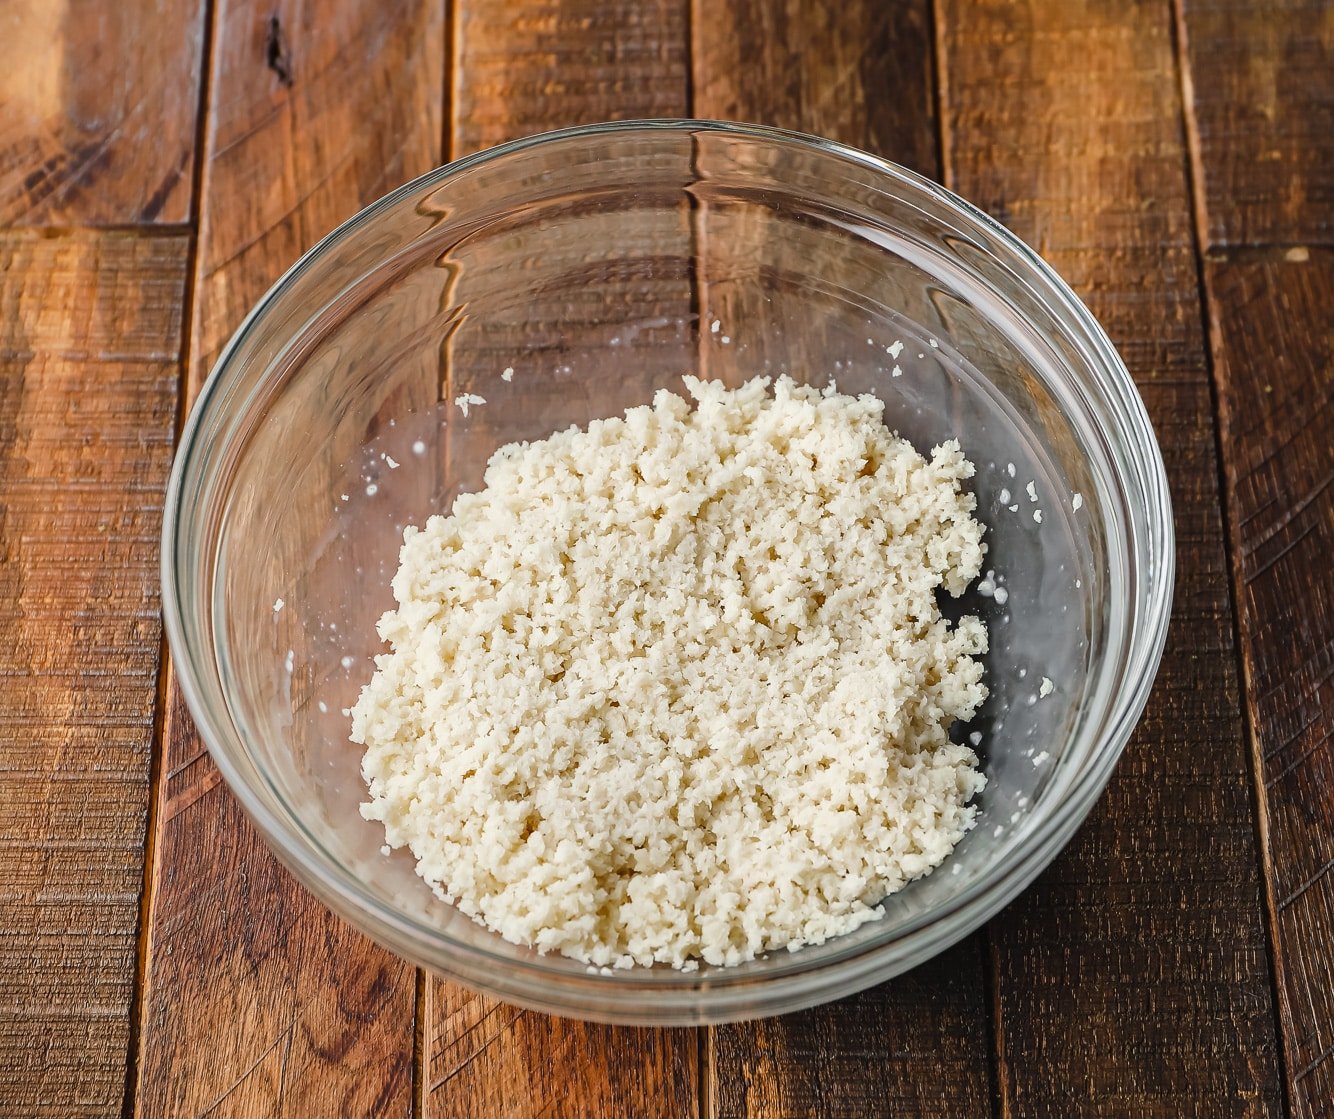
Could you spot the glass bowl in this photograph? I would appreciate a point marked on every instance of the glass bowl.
(566, 277)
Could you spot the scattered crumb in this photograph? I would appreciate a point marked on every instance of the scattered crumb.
(278, 604)
(1004, 496)
(1077, 502)
(343, 497)
(896, 372)
(1046, 689)
(1032, 490)
(507, 374)
(1039, 759)
(934, 344)
(725, 340)
(1009, 469)
(324, 707)
(1014, 508)
(290, 661)
(1037, 515)
(390, 462)
(975, 738)
(894, 349)
(717, 325)
(1002, 596)
(466, 400)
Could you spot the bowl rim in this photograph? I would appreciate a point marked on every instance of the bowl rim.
(975, 903)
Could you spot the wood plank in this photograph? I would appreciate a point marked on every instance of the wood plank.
(489, 1059)
(90, 336)
(528, 66)
(1133, 978)
(914, 1046)
(522, 68)
(860, 73)
(1273, 351)
(1260, 83)
(316, 112)
(1260, 115)
(98, 108)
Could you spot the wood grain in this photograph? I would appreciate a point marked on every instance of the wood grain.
(98, 108)
(1260, 113)
(1133, 979)
(860, 73)
(914, 1046)
(90, 336)
(1260, 84)
(489, 1059)
(526, 66)
(522, 68)
(316, 111)
(1273, 352)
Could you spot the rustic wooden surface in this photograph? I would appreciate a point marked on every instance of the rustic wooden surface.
(162, 162)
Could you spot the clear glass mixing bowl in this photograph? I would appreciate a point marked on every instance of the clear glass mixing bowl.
(594, 264)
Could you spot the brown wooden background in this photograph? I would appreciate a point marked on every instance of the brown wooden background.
(162, 161)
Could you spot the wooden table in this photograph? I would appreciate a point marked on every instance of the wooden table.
(162, 161)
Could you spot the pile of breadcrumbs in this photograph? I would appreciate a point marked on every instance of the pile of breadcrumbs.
(676, 687)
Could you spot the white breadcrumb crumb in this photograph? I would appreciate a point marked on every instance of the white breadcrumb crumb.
(1032, 491)
(896, 372)
(647, 700)
(717, 325)
(466, 400)
(278, 604)
(1042, 758)
(507, 374)
(1046, 688)
(1077, 502)
(1037, 515)
(894, 348)
(390, 462)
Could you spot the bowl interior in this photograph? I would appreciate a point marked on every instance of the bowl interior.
(596, 274)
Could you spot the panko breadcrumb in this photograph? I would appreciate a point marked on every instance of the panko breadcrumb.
(676, 687)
